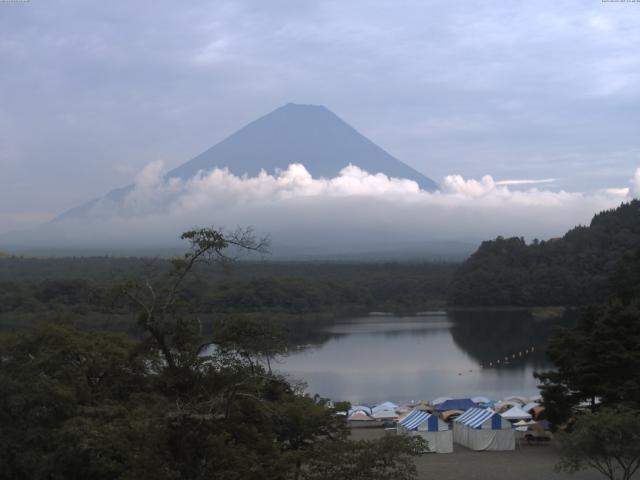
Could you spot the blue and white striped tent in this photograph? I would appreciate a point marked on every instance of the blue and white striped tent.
(483, 429)
(437, 433)
(476, 417)
(418, 418)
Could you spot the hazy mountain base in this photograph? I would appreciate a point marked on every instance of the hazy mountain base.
(427, 251)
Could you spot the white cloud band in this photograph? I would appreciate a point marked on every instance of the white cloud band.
(354, 209)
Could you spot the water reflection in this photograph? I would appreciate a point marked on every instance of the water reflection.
(371, 359)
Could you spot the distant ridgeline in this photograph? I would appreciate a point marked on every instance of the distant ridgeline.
(572, 270)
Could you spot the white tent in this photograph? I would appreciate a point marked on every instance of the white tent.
(516, 398)
(530, 406)
(483, 429)
(358, 416)
(435, 432)
(359, 408)
(385, 410)
(516, 413)
(504, 405)
(480, 399)
(385, 415)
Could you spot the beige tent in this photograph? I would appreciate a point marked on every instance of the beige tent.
(450, 414)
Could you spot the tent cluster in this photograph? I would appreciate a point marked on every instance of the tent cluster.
(477, 423)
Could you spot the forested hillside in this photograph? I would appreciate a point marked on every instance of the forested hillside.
(572, 270)
(89, 289)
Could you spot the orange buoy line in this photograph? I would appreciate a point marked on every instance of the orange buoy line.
(508, 358)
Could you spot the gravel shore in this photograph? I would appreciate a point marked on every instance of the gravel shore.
(527, 462)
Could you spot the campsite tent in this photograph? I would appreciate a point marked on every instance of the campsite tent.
(361, 408)
(450, 414)
(456, 404)
(538, 413)
(483, 429)
(516, 413)
(358, 416)
(504, 405)
(435, 432)
(386, 410)
(384, 406)
(480, 399)
(530, 406)
(516, 399)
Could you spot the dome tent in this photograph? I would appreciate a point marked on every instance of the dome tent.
(384, 411)
(359, 408)
(456, 404)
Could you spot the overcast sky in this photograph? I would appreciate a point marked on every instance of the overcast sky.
(92, 91)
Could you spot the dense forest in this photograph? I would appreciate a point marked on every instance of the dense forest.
(82, 404)
(598, 360)
(572, 270)
(90, 289)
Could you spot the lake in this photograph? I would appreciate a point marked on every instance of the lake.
(402, 358)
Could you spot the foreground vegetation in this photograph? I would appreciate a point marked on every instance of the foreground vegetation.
(173, 404)
(594, 391)
(181, 386)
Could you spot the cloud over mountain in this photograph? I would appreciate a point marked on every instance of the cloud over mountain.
(352, 209)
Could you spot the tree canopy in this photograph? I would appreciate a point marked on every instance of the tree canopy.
(608, 441)
(597, 361)
(572, 270)
(169, 403)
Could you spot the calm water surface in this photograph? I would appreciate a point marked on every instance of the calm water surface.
(372, 359)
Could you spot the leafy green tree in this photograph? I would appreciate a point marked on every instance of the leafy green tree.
(49, 379)
(572, 270)
(168, 405)
(608, 441)
(598, 360)
(256, 339)
(391, 457)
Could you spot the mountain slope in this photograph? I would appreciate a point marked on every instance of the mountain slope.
(307, 134)
(572, 270)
